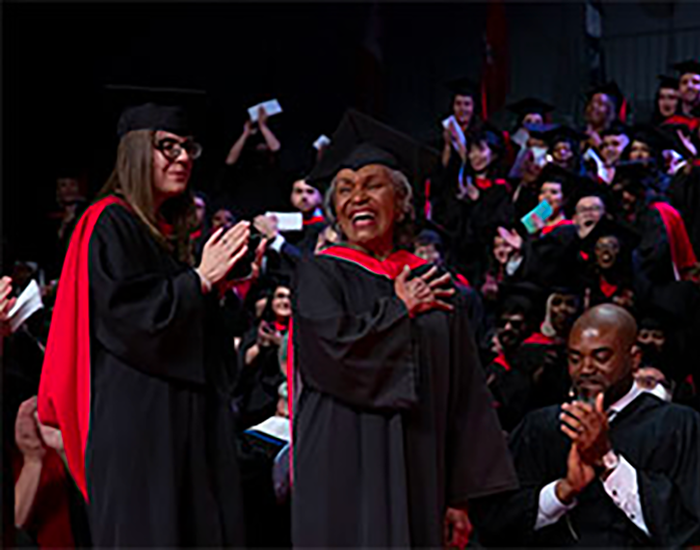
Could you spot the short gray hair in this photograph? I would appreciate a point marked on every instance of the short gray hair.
(403, 228)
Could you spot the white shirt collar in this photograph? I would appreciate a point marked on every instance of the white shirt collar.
(619, 405)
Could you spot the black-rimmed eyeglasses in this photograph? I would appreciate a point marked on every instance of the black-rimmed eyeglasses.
(172, 149)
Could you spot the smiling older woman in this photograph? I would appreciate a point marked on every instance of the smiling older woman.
(393, 426)
(136, 358)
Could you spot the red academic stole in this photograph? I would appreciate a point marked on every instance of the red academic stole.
(64, 390)
(314, 220)
(549, 228)
(682, 253)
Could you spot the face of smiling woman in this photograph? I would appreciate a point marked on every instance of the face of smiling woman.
(366, 207)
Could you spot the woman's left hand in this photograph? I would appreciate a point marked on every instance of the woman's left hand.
(457, 528)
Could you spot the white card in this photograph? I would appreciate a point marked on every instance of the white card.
(271, 107)
(322, 141)
(28, 303)
(288, 221)
(451, 124)
(276, 426)
(591, 154)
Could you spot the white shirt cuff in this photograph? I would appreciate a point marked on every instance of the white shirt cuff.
(623, 488)
(277, 243)
(551, 509)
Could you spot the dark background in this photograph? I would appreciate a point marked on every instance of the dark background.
(317, 59)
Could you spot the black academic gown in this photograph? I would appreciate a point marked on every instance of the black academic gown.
(658, 439)
(684, 192)
(393, 422)
(160, 459)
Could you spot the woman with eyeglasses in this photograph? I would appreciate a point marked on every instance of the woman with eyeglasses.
(137, 369)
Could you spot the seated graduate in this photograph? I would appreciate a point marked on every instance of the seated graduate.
(508, 382)
(666, 99)
(689, 87)
(610, 271)
(48, 507)
(617, 467)
(290, 245)
(394, 431)
(484, 197)
(429, 245)
(464, 115)
(259, 377)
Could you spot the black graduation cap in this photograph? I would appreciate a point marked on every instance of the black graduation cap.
(669, 129)
(435, 234)
(626, 234)
(586, 187)
(615, 129)
(666, 81)
(556, 133)
(636, 176)
(691, 66)
(529, 105)
(360, 140)
(553, 173)
(651, 136)
(612, 90)
(524, 296)
(485, 131)
(177, 110)
(464, 86)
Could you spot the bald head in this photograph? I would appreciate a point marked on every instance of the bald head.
(608, 317)
(603, 352)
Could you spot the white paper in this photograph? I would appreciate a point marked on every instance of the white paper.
(288, 221)
(276, 426)
(28, 303)
(271, 107)
(591, 154)
(451, 124)
(520, 137)
(322, 141)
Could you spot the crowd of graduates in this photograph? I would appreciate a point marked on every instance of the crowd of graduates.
(536, 223)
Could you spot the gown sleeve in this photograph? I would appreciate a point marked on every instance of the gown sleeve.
(334, 342)
(508, 519)
(473, 424)
(149, 316)
(670, 496)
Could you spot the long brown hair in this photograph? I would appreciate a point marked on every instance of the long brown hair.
(132, 180)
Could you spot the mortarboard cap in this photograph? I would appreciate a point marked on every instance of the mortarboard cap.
(530, 105)
(433, 233)
(666, 81)
(669, 129)
(635, 176)
(361, 140)
(176, 110)
(613, 91)
(553, 173)
(689, 66)
(586, 187)
(615, 129)
(629, 238)
(485, 131)
(522, 296)
(463, 86)
(651, 136)
(552, 134)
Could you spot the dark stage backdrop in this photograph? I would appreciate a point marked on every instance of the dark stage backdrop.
(318, 59)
